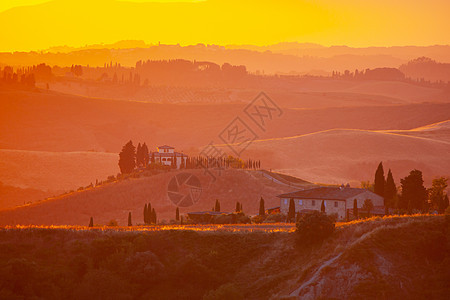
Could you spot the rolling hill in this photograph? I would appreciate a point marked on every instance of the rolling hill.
(343, 155)
(49, 121)
(115, 200)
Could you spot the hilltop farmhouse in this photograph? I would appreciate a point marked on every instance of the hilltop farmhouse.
(337, 200)
(166, 155)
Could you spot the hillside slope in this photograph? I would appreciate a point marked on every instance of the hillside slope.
(115, 200)
(343, 155)
(55, 171)
(48, 121)
(389, 258)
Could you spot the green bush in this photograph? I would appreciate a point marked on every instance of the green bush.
(314, 227)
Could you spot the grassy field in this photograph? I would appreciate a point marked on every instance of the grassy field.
(378, 258)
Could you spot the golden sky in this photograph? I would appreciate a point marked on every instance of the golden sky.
(40, 24)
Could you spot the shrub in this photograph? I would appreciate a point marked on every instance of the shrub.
(275, 218)
(258, 219)
(314, 227)
(112, 223)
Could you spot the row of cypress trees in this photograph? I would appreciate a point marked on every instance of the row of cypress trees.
(149, 214)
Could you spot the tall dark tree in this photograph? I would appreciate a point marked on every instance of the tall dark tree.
(390, 190)
(242, 210)
(291, 211)
(153, 158)
(217, 205)
(91, 222)
(127, 158)
(262, 210)
(149, 213)
(177, 214)
(139, 161)
(129, 219)
(145, 214)
(414, 195)
(437, 193)
(322, 207)
(145, 155)
(379, 180)
(153, 216)
(355, 209)
(238, 207)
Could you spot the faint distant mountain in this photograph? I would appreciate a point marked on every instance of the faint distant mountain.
(427, 69)
(283, 58)
(127, 44)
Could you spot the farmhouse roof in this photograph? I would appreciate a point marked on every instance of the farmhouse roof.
(167, 154)
(165, 147)
(333, 193)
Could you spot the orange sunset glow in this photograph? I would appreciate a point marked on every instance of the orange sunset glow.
(327, 22)
(224, 149)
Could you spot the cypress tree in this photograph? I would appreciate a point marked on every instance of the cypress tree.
(153, 220)
(91, 222)
(149, 213)
(238, 207)
(355, 209)
(291, 213)
(145, 155)
(145, 213)
(217, 206)
(390, 191)
(322, 207)
(242, 210)
(379, 180)
(177, 214)
(129, 219)
(138, 155)
(262, 211)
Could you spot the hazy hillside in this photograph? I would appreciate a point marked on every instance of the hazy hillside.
(391, 258)
(55, 171)
(115, 200)
(316, 61)
(58, 122)
(343, 155)
(11, 196)
(289, 92)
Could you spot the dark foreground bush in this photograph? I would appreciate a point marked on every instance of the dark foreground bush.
(314, 227)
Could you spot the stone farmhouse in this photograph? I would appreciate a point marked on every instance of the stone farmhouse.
(166, 155)
(337, 200)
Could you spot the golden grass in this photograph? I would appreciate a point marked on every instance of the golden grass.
(275, 227)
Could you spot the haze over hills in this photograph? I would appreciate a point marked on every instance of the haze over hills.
(72, 132)
(341, 155)
(318, 61)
